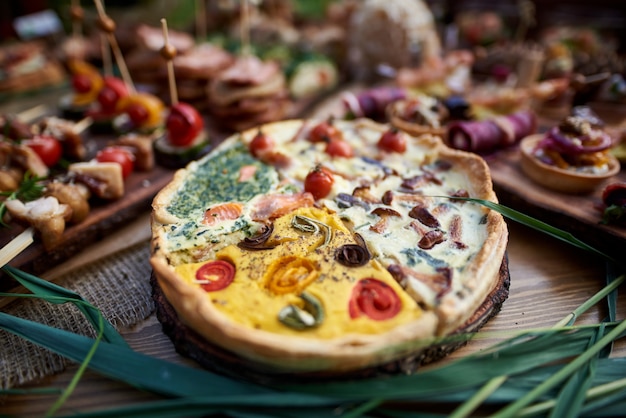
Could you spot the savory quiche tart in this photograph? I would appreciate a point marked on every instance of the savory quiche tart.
(309, 246)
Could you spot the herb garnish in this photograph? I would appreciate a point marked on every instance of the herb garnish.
(29, 189)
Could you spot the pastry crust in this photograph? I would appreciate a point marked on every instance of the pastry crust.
(350, 350)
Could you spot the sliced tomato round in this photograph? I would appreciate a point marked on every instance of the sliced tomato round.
(374, 299)
(319, 182)
(215, 275)
(119, 155)
(184, 124)
(48, 148)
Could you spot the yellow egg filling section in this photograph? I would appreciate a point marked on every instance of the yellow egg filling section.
(266, 281)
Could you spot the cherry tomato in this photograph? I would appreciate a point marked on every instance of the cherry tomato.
(339, 148)
(261, 144)
(82, 83)
(375, 299)
(215, 275)
(111, 93)
(144, 110)
(137, 113)
(119, 155)
(48, 148)
(392, 141)
(324, 132)
(319, 182)
(184, 124)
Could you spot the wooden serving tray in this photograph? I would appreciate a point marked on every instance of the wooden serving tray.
(103, 219)
(578, 214)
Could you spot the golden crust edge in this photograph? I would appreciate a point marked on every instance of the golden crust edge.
(353, 351)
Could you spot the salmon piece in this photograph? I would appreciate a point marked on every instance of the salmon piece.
(246, 172)
(223, 212)
(274, 206)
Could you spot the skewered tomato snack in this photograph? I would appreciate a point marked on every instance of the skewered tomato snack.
(47, 147)
(86, 82)
(184, 124)
(112, 92)
(119, 155)
(144, 110)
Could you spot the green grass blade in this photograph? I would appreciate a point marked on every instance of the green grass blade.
(539, 226)
(613, 274)
(566, 371)
(79, 373)
(514, 356)
(572, 394)
(259, 406)
(612, 405)
(122, 363)
(56, 294)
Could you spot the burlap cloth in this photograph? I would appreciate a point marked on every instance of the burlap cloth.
(117, 284)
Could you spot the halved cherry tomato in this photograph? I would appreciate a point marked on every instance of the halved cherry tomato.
(339, 148)
(113, 90)
(86, 82)
(392, 141)
(375, 299)
(215, 275)
(137, 113)
(144, 110)
(119, 155)
(260, 144)
(325, 132)
(319, 182)
(184, 124)
(48, 148)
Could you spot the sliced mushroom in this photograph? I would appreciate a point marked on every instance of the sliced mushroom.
(28, 159)
(45, 214)
(74, 195)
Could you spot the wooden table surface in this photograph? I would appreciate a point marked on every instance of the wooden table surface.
(548, 280)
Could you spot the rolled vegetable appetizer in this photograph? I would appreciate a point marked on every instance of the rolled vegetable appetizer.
(491, 134)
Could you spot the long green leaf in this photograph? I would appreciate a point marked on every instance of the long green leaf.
(572, 394)
(129, 366)
(540, 226)
(511, 357)
(566, 371)
(56, 294)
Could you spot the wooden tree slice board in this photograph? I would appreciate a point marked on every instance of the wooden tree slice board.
(212, 357)
(578, 214)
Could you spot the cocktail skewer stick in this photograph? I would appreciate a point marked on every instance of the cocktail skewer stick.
(169, 52)
(108, 26)
(14, 247)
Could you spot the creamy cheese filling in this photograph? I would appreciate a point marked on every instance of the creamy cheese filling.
(392, 240)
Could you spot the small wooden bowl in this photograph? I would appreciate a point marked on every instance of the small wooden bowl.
(566, 181)
(411, 128)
